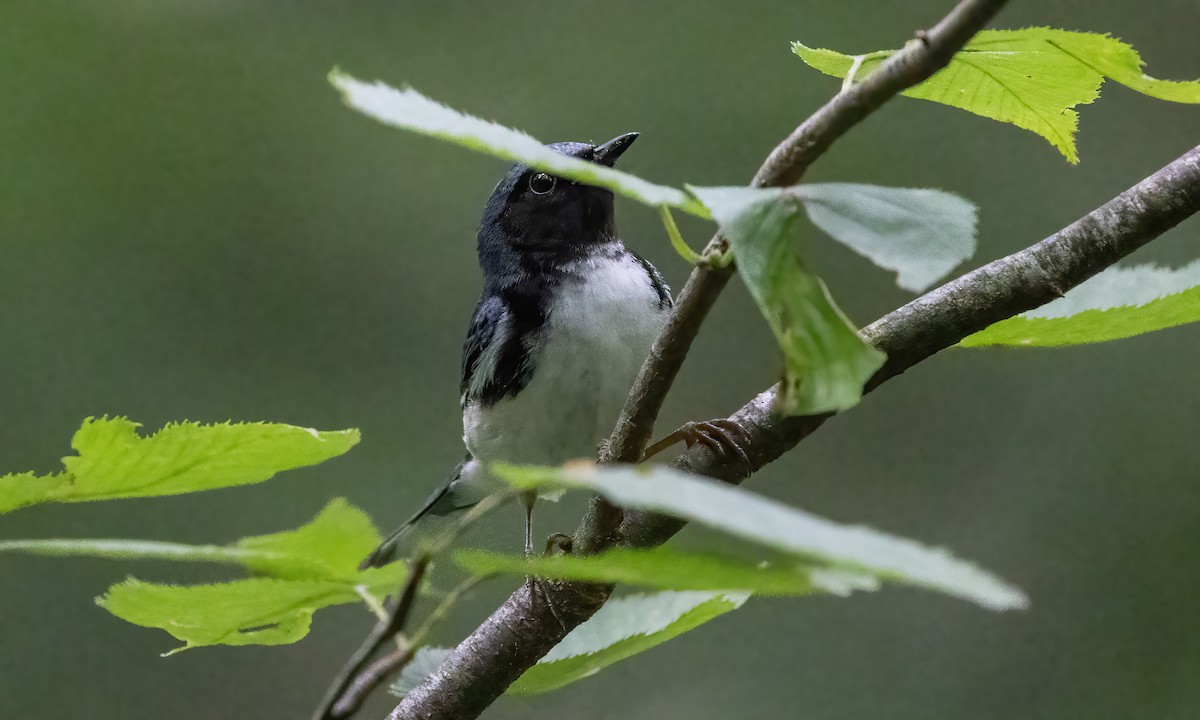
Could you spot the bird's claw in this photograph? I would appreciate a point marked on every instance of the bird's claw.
(539, 586)
(722, 436)
(563, 542)
(604, 450)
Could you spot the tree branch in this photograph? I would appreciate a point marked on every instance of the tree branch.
(517, 634)
(520, 631)
(944, 316)
(786, 164)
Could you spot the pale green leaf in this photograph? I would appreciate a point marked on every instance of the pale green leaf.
(410, 110)
(306, 569)
(1031, 78)
(20, 489)
(424, 663)
(921, 234)
(258, 611)
(1118, 303)
(664, 569)
(826, 363)
(623, 627)
(739, 512)
(113, 461)
(1115, 59)
(332, 545)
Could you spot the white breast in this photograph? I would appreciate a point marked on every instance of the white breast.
(599, 329)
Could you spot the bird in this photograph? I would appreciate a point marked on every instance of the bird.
(566, 316)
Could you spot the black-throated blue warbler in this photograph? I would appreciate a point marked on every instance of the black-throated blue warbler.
(566, 316)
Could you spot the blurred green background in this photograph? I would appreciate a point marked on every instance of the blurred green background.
(192, 226)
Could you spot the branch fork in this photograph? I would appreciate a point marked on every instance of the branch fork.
(520, 632)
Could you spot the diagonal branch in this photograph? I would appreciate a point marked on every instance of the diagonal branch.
(522, 631)
(518, 632)
(786, 164)
(942, 317)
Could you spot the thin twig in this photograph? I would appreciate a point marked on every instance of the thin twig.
(357, 679)
(372, 676)
(439, 613)
(388, 628)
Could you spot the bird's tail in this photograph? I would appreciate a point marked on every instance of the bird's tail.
(440, 502)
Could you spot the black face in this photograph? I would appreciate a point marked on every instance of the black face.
(533, 215)
(544, 212)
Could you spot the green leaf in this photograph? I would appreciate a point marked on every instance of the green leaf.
(306, 569)
(1114, 59)
(623, 627)
(410, 110)
(1117, 303)
(258, 611)
(21, 489)
(113, 461)
(424, 663)
(670, 570)
(738, 512)
(921, 234)
(826, 363)
(331, 545)
(1030, 78)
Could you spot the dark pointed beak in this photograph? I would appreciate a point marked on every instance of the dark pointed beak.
(608, 153)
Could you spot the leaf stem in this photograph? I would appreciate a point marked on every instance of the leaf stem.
(677, 241)
(121, 549)
(439, 613)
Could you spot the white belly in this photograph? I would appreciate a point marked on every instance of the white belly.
(598, 333)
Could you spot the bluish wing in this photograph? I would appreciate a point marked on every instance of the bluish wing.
(496, 360)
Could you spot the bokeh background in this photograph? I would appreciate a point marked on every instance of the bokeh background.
(192, 226)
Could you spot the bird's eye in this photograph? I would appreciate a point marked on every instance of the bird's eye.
(541, 184)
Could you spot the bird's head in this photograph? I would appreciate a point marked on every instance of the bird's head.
(532, 213)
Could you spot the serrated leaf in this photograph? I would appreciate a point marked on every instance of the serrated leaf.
(306, 569)
(424, 663)
(826, 363)
(114, 462)
(922, 234)
(1118, 303)
(1031, 78)
(1120, 62)
(665, 569)
(741, 513)
(410, 110)
(623, 627)
(331, 545)
(18, 490)
(258, 611)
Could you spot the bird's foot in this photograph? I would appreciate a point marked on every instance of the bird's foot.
(604, 451)
(722, 435)
(535, 586)
(563, 542)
